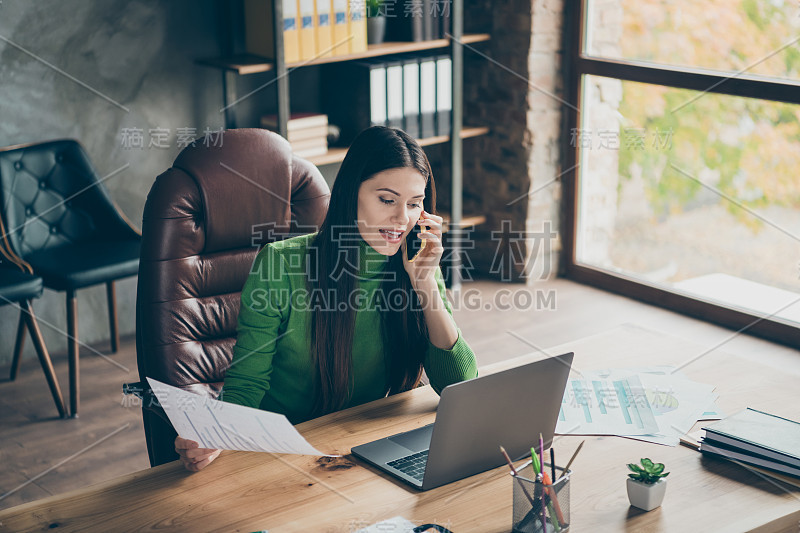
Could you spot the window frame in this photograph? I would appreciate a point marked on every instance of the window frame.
(577, 65)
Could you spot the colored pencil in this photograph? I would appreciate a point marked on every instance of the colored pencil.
(541, 462)
(547, 487)
(516, 476)
(541, 452)
(574, 455)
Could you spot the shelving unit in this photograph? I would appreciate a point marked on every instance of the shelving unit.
(250, 64)
(336, 155)
(240, 65)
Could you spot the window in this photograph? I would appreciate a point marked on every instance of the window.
(685, 145)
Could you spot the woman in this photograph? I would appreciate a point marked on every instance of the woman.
(342, 317)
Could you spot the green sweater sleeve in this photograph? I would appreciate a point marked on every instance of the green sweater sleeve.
(262, 313)
(445, 367)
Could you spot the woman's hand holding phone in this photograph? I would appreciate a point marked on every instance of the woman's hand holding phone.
(421, 269)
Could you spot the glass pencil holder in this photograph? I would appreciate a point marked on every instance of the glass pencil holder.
(540, 508)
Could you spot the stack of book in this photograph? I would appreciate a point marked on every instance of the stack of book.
(764, 442)
(312, 29)
(307, 132)
(401, 91)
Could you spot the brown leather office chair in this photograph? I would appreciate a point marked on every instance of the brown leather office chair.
(204, 221)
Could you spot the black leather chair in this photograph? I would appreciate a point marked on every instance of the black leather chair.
(18, 287)
(204, 221)
(63, 224)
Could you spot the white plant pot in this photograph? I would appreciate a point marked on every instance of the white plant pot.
(644, 496)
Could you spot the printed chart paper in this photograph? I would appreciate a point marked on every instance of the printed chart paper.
(656, 404)
(593, 405)
(677, 403)
(226, 426)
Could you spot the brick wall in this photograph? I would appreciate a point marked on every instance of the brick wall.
(516, 92)
(513, 175)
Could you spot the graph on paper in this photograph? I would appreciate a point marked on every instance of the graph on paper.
(596, 405)
(225, 426)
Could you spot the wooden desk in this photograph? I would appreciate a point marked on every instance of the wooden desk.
(254, 491)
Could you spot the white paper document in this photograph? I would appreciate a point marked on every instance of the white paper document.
(656, 404)
(396, 524)
(677, 403)
(712, 412)
(594, 405)
(226, 426)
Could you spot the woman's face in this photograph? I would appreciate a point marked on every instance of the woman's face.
(389, 205)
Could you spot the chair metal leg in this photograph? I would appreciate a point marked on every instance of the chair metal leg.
(72, 344)
(112, 315)
(19, 344)
(44, 357)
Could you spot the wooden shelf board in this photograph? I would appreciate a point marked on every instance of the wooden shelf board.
(241, 64)
(250, 64)
(333, 155)
(382, 49)
(336, 155)
(465, 134)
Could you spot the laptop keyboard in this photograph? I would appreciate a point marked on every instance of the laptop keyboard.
(411, 465)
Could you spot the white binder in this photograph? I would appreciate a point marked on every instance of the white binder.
(411, 97)
(444, 94)
(377, 97)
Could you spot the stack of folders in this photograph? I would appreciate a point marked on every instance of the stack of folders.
(757, 439)
(406, 92)
(308, 132)
(312, 29)
(417, 20)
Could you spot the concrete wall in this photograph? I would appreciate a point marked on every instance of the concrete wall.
(88, 70)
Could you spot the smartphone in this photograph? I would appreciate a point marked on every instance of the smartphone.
(414, 242)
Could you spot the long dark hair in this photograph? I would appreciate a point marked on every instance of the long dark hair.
(405, 334)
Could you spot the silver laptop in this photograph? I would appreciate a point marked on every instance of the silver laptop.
(474, 418)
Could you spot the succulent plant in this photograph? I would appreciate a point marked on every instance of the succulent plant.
(648, 472)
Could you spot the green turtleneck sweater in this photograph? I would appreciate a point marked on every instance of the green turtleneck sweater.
(272, 368)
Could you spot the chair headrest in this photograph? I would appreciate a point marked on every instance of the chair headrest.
(248, 178)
